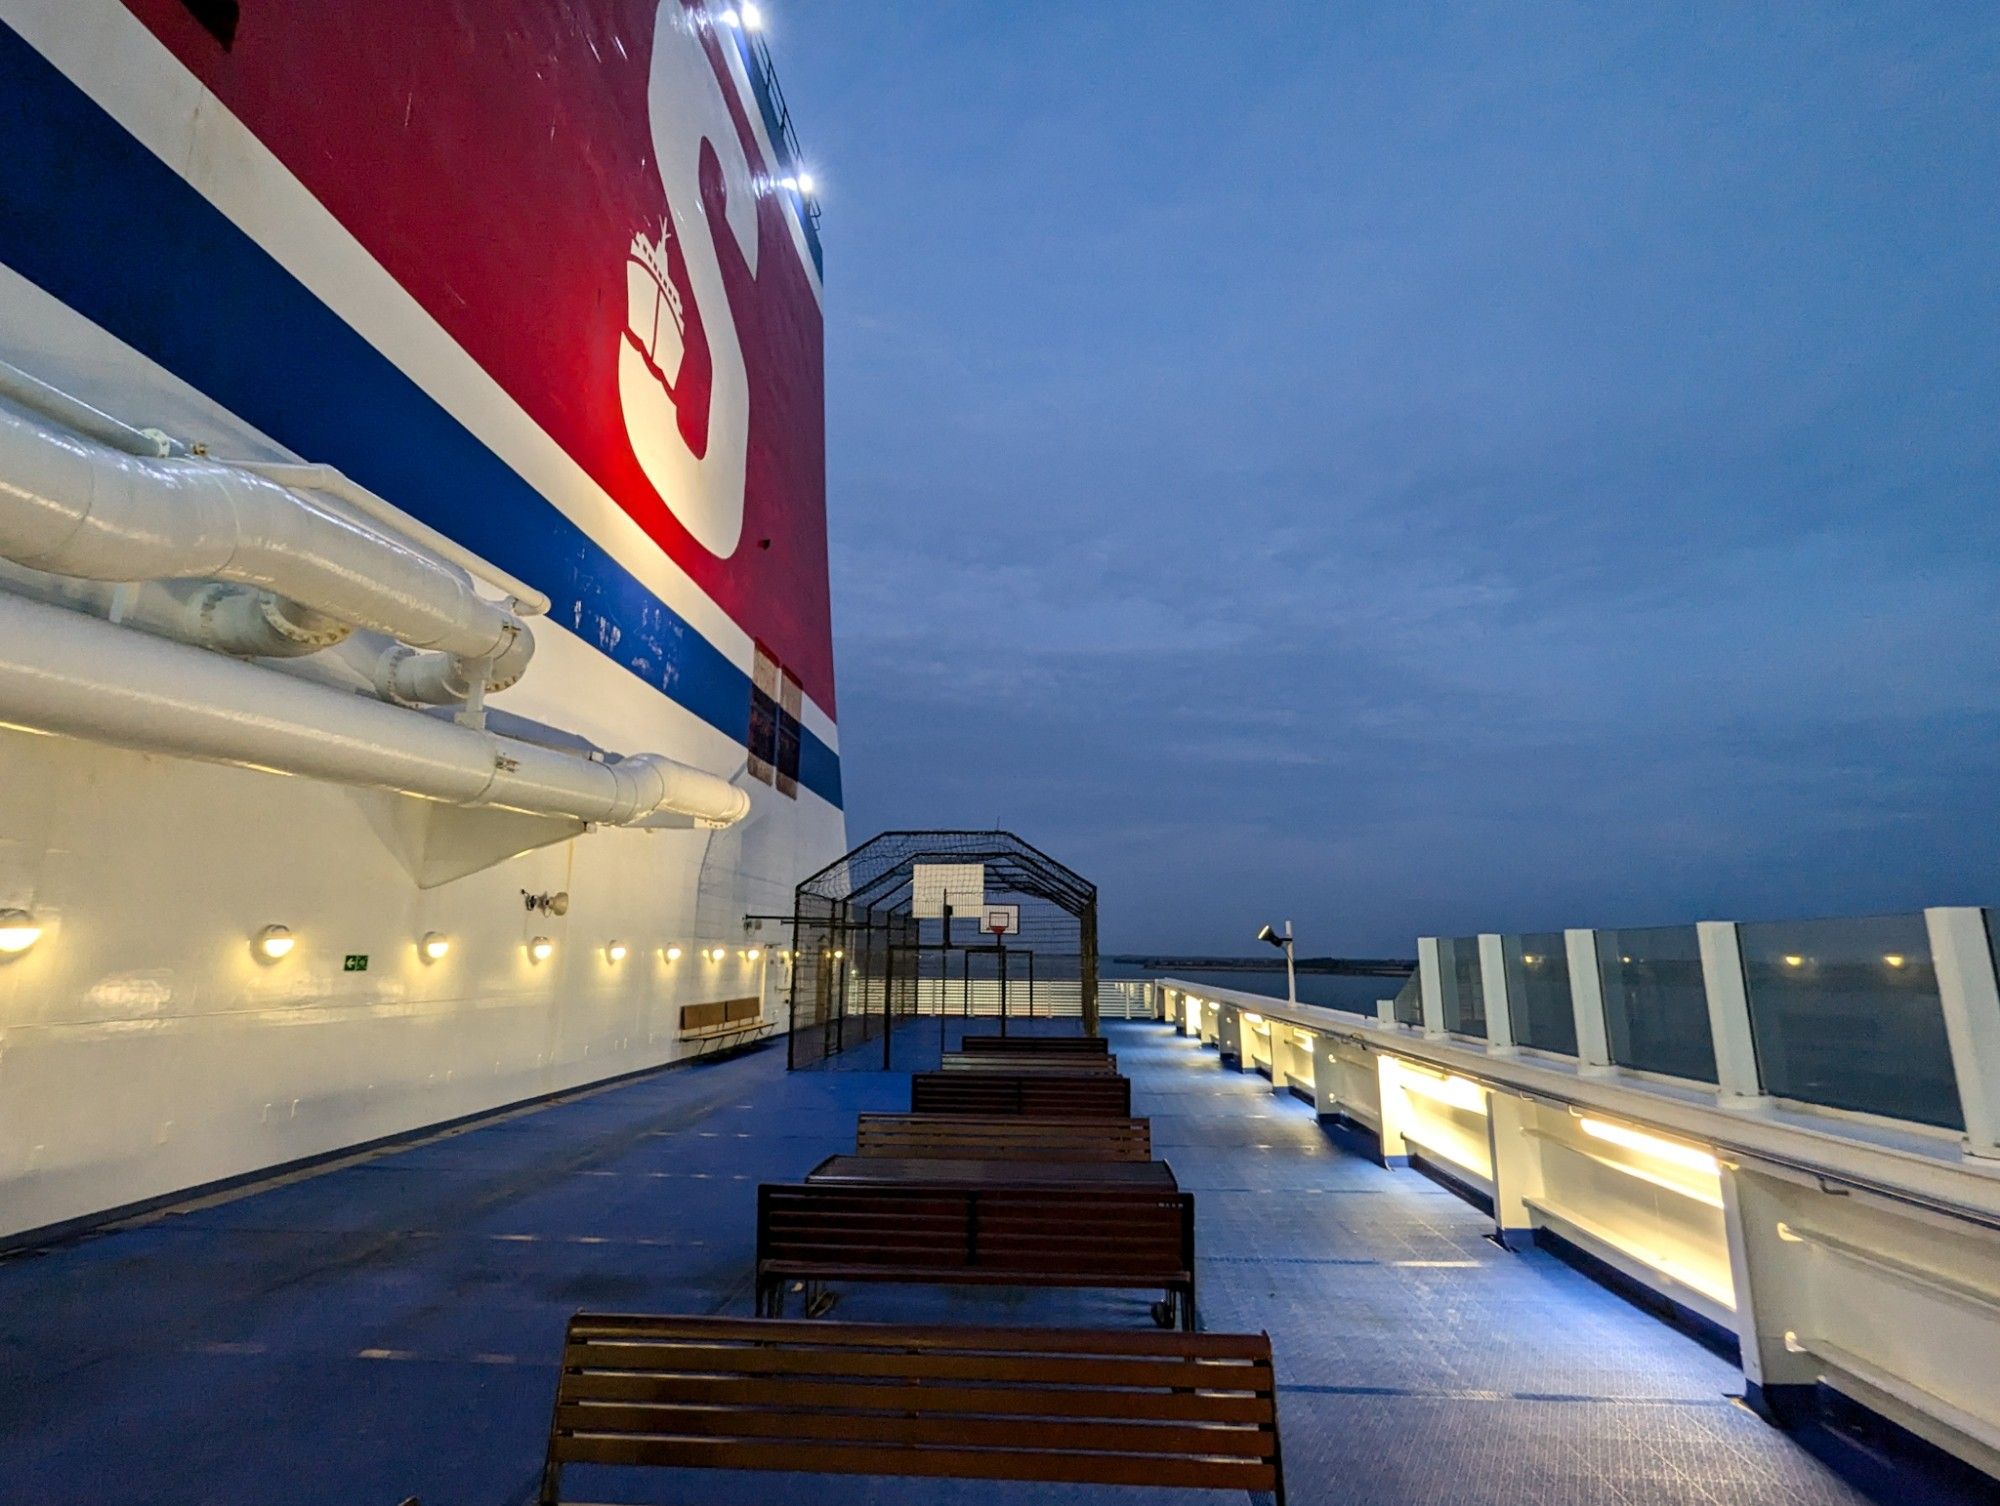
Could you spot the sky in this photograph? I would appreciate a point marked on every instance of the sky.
(1418, 468)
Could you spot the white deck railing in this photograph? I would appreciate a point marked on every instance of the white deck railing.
(1841, 1245)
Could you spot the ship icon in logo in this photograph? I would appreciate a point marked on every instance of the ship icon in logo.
(681, 377)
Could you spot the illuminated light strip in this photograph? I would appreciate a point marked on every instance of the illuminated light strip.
(1710, 1197)
(1671, 1269)
(1674, 1152)
(1453, 1092)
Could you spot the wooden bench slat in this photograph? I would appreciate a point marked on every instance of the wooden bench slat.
(1078, 1434)
(850, 1392)
(1086, 1370)
(900, 1339)
(960, 1464)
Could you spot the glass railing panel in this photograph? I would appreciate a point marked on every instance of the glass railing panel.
(1538, 997)
(1410, 1002)
(1993, 936)
(1464, 992)
(1846, 1014)
(1655, 1002)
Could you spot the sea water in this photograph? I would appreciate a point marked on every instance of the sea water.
(1334, 990)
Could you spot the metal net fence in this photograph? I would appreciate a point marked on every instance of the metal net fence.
(947, 923)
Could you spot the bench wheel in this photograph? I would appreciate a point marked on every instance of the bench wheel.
(1163, 1312)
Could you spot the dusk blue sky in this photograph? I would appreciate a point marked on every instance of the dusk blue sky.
(1418, 468)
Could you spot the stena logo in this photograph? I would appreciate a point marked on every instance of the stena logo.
(681, 379)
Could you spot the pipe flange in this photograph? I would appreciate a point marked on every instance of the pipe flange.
(202, 606)
(315, 629)
(393, 659)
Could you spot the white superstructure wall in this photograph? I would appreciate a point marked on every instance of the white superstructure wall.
(145, 1048)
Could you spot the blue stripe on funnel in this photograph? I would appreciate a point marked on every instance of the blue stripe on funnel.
(91, 216)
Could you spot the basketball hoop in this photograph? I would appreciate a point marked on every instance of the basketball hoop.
(1000, 920)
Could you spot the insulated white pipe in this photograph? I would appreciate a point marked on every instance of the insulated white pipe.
(73, 506)
(335, 483)
(67, 673)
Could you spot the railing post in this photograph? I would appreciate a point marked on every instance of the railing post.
(1586, 997)
(1736, 1072)
(1327, 1073)
(1430, 983)
(1493, 987)
(1517, 1167)
(1392, 1108)
(1772, 1284)
(1962, 952)
(1229, 1034)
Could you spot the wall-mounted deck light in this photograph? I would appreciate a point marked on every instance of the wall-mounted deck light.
(541, 949)
(434, 947)
(617, 951)
(18, 931)
(673, 954)
(274, 943)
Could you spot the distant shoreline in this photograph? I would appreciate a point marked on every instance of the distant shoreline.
(1353, 967)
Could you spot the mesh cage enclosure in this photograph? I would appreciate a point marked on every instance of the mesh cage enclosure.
(872, 947)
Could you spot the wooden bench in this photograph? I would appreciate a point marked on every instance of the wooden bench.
(720, 1017)
(1195, 1410)
(957, 1235)
(1007, 1061)
(1066, 1095)
(1054, 1045)
(1015, 1137)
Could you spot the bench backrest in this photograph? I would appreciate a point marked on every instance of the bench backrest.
(720, 1014)
(1066, 1095)
(1054, 1045)
(1012, 1061)
(1013, 1137)
(1129, 1235)
(1091, 1408)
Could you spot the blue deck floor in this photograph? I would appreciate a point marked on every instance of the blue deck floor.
(389, 1328)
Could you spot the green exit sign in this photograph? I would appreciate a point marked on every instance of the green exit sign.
(355, 962)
